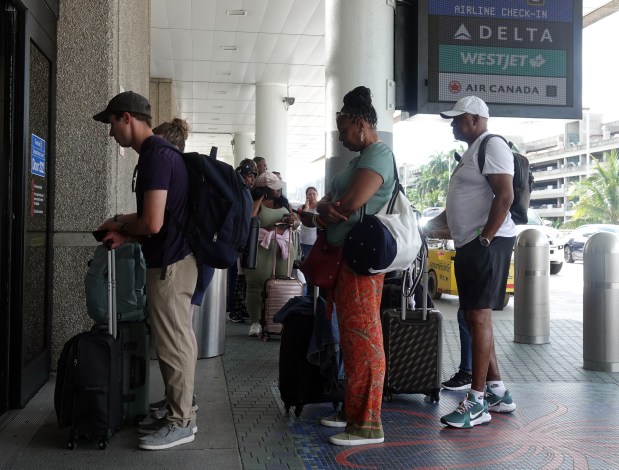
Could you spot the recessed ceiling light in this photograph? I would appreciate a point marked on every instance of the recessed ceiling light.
(212, 128)
(227, 74)
(218, 107)
(219, 92)
(228, 48)
(236, 12)
(215, 119)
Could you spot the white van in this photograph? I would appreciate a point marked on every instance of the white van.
(555, 239)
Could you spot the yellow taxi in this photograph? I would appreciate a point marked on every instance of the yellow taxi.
(442, 277)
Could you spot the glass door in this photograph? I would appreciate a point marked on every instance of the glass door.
(30, 202)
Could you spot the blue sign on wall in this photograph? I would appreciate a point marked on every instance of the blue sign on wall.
(37, 156)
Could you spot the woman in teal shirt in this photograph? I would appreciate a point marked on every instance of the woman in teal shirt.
(367, 180)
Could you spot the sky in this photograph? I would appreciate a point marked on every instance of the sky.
(423, 135)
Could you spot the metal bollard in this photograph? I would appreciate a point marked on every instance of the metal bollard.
(600, 303)
(209, 320)
(531, 280)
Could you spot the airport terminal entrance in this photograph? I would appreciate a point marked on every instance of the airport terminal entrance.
(27, 136)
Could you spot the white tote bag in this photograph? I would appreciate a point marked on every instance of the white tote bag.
(400, 219)
(386, 241)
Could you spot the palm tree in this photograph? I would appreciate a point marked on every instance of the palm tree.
(430, 190)
(598, 195)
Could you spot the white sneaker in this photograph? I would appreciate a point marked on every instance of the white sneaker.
(255, 329)
(334, 421)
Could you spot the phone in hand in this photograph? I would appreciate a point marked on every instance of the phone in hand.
(99, 234)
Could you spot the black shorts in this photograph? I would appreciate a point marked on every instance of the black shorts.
(481, 273)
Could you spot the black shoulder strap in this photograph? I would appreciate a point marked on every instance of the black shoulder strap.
(481, 153)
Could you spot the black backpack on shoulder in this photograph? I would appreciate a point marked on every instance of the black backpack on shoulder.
(219, 209)
(522, 183)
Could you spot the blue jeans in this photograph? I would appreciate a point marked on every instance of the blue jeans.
(466, 351)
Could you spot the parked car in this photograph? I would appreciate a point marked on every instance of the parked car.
(554, 239)
(575, 241)
(430, 213)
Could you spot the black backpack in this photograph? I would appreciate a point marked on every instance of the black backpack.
(523, 180)
(219, 210)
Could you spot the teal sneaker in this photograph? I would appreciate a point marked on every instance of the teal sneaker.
(468, 414)
(497, 404)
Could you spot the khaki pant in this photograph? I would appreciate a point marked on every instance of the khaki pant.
(170, 310)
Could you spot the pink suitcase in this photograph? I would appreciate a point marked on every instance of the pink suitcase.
(277, 291)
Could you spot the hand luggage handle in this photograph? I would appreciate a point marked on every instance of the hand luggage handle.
(407, 278)
(112, 325)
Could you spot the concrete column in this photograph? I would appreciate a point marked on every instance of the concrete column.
(162, 100)
(272, 125)
(359, 51)
(242, 147)
(103, 49)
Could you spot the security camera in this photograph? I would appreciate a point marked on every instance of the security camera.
(289, 101)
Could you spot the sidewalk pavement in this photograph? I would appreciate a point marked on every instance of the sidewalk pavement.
(242, 423)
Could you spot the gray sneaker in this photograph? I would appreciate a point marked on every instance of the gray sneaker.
(169, 435)
(151, 426)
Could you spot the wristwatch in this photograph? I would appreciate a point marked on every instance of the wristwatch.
(484, 241)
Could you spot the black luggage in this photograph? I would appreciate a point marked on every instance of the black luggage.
(88, 394)
(413, 342)
(300, 382)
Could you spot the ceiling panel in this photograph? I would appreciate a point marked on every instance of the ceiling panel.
(277, 41)
(203, 15)
(256, 9)
(203, 44)
(160, 44)
(179, 14)
(181, 44)
(276, 14)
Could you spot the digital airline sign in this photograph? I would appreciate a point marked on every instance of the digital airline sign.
(507, 52)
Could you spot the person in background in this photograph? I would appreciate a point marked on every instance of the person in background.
(270, 208)
(237, 285)
(284, 191)
(368, 181)
(478, 220)
(307, 236)
(176, 132)
(261, 164)
(161, 184)
(461, 380)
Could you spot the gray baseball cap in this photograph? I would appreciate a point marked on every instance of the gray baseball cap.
(127, 101)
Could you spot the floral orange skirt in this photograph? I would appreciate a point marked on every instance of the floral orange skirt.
(357, 300)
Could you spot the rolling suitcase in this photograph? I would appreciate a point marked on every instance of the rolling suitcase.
(135, 339)
(277, 291)
(300, 382)
(413, 341)
(88, 394)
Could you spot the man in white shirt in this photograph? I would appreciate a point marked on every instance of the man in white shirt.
(477, 218)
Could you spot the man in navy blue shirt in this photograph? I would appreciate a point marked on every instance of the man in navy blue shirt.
(161, 196)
